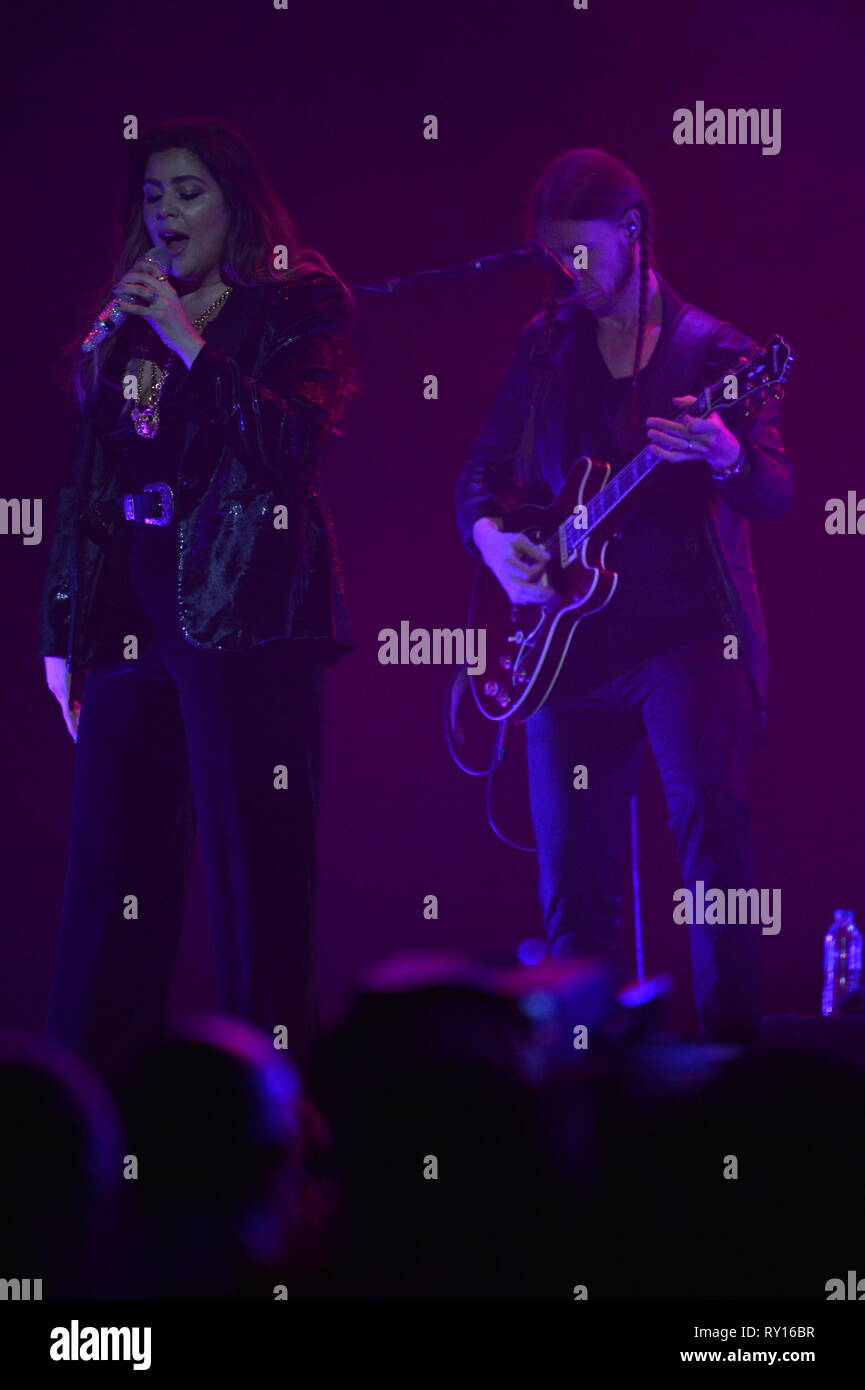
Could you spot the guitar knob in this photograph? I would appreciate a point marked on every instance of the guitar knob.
(503, 700)
(521, 676)
(491, 688)
(506, 662)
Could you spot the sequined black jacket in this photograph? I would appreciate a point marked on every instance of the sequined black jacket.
(257, 402)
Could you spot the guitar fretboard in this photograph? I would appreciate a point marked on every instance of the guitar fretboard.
(576, 528)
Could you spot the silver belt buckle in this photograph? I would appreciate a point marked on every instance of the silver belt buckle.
(166, 503)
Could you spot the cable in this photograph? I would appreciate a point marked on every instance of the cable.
(488, 772)
(450, 729)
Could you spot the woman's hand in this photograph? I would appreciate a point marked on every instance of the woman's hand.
(59, 681)
(517, 563)
(708, 440)
(161, 308)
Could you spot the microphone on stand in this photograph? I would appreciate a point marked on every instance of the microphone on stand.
(559, 273)
(112, 315)
(530, 250)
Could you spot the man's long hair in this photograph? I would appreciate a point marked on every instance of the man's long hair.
(257, 223)
(582, 186)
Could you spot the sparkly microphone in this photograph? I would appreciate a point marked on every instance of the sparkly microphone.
(112, 315)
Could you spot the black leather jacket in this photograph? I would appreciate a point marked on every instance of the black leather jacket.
(257, 402)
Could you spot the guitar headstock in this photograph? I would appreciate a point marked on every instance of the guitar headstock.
(755, 380)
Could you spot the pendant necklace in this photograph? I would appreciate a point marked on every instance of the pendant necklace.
(146, 414)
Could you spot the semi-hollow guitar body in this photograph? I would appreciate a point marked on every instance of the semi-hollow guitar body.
(527, 643)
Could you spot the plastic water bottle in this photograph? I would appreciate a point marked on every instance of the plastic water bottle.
(842, 960)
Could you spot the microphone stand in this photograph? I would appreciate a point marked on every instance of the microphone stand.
(530, 250)
(534, 251)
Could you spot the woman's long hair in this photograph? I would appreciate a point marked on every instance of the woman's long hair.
(582, 186)
(257, 223)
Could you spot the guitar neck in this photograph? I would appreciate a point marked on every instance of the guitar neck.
(619, 487)
(599, 507)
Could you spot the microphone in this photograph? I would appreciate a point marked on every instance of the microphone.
(112, 315)
(532, 250)
(560, 273)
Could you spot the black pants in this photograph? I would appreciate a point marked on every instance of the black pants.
(699, 712)
(227, 740)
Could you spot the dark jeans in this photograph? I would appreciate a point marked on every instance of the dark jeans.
(177, 737)
(699, 712)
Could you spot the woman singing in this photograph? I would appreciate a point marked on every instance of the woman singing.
(193, 581)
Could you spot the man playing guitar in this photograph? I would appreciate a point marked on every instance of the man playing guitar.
(679, 654)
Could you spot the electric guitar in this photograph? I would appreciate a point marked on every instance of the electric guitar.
(527, 643)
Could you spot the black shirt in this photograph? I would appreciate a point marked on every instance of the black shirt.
(661, 600)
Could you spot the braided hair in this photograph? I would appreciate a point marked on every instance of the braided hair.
(582, 185)
(645, 265)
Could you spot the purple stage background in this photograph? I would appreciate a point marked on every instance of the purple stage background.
(333, 97)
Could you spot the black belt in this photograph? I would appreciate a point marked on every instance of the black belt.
(154, 506)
